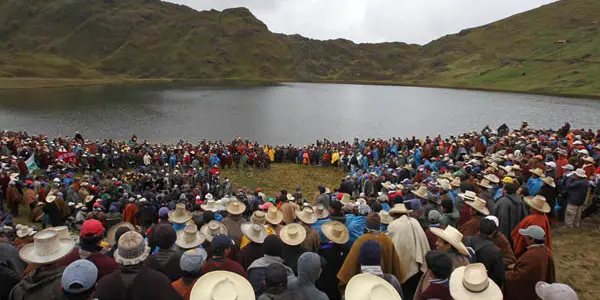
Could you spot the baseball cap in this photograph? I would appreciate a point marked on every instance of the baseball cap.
(222, 241)
(555, 291)
(79, 276)
(92, 228)
(534, 232)
(192, 260)
(163, 211)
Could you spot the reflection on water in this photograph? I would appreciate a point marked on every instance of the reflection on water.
(296, 113)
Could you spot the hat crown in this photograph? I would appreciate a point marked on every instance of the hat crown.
(338, 229)
(293, 231)
(256, 228)
(475, 278)
(453, 234)
(213, 226)
(272, 212)
(224, 289)
(46, 243)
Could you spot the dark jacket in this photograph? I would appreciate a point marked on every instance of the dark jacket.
(135, 283)
(487, 253)
(510, 210)
(256, 272)
(576, 191)
(249, 254)
(165, 261)
(290, 256)
(309, 268)
(105, 264)
(334, 255)
(53, 213)
(9, 279)
(41, 283)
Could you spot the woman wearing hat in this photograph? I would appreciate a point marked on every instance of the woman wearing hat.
(539, 207)
(334, 251)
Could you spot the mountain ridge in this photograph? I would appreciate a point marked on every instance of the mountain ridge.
(542, 50)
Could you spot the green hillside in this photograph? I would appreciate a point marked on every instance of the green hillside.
(155, 39)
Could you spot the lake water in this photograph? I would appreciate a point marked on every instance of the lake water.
(296, 113)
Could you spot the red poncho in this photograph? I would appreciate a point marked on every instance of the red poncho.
(536, 218)
(129, 214)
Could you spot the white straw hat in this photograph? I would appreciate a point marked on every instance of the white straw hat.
(222, 285)
(479, 205)
(538, 203)
(336, 232)
(452, 236)
(274, 215)
(385, 217)
(292, 234)
(254, 232)
(236, 207)
(472, 282)
(189, 237)
(210, 205)
(321, 211)
(469, 195)
(46, 248)
(307, 215)
(370, 287)
(180, 215)
(213, 228)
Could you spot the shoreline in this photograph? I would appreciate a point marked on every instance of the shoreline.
(19, 83)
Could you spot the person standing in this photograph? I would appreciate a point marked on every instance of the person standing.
(13, 198)
(486, 252)
(510, 210)
(576, 188)
(221, 249)
(191, 265)
(535, 265)
(309, 269)
(539, 209)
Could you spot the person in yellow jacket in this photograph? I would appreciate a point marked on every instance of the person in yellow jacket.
(271, 154)
(258, 217)
(335, 158)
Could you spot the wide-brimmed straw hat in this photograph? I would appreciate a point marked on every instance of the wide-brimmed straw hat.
(370, 287)
(469, 196)
(274, 215)
(346, 199)
(455, 182)
(258, 217)
(292, 234)
(236, 207)
(421, 192)
(180, 215)
(209, 196)
(50, 198)
(452, 236)
(385, 217)
(538, 203)
(25, 231)
(399, 208)
(549, 181)
(479, 205)
(537, 171)
(321, 211)
(222, 285)
(492, 178)
(485, 183)
(307, 215)
(189, 237)
(132, 249)
(110, 235)
(589, 159)
(210, 205)
(336, 232)
(254, 232)
(213, 228)
(580, 173)
(472, 282)
(62, 231)
(47, 247)
(89, 198)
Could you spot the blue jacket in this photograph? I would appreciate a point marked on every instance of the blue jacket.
(534, 185)
(356, 227)
(317, 226)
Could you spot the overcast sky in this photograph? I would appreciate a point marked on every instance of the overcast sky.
(411, 21)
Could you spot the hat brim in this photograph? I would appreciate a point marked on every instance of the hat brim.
(241, 209)
(545, 209)
(458, 245)
(132, 261)
(311, 219)
(28, 255)
(179, 219)
(292, 241)
(212, 208)
(208, 235)
(458, 291)
(183, 244)
(359, 287)
(483, 210)
(275, 221)
(110, 235)
(327, 229)
(324, 214)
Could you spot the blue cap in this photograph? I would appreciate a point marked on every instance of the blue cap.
(222, 241)
(163, 212)
(79, 276)
(192, 260)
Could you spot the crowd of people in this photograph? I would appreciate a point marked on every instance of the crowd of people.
(466, 217)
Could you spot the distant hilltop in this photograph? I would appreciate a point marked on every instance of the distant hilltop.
(552, 49)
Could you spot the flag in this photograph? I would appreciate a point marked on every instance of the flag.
(67, 157)
(30, 162)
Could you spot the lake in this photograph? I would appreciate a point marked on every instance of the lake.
(296, 113)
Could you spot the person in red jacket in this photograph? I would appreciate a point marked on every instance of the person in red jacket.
(92, 233)
(539, 209)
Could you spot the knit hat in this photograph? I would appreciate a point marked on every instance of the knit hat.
(132, 249)
(373, 222)
(370, 253)
(272, 246)
(163, 212)
(79, 276)
(192, 260)
(164, 236)
(275, 276)
(434, 216)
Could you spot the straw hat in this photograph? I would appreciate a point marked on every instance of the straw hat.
(189, 237)
(452, 236)
(469, 196)
(492, 178)
(132, 249)
(537, 171)
(290, 197)
(455, 182)
(254, 232)
(258, 217)
(274, 215)
(399, 208)
(110, 235)
(472, 282)
(385, 217)
(485, 183)
(479, 205)
(236, 207)
(222, 285)
(549, 181)
(345, 199)
(538, 203)
(47, 247)
(421, 192)
(307, 215)
(180, 215)
(213, 228)
(62, 231)
(589, 159)
(293, 234)
(370, 287)
(321, 212)
(515, 167)
(580, 173)
(25, 231)
(210, 205)
(89, 198)
(336, 232)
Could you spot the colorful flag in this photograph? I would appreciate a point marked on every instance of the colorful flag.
(30, 162)
(67, 157)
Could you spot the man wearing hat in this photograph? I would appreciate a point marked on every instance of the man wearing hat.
(257, 271)
(92, 233)
(44, 282)
(539, 208)
(510, 210)
(486, 252)
(472, 282)
(191, 264)
(535, 265)
(255, 233)
(390, 259)
(79, 280)
(165, 259)
(478, 210)
(576, 190)
(535, 181)
(234, 220)
(221, 250)
(307, 218)
(334, 251)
